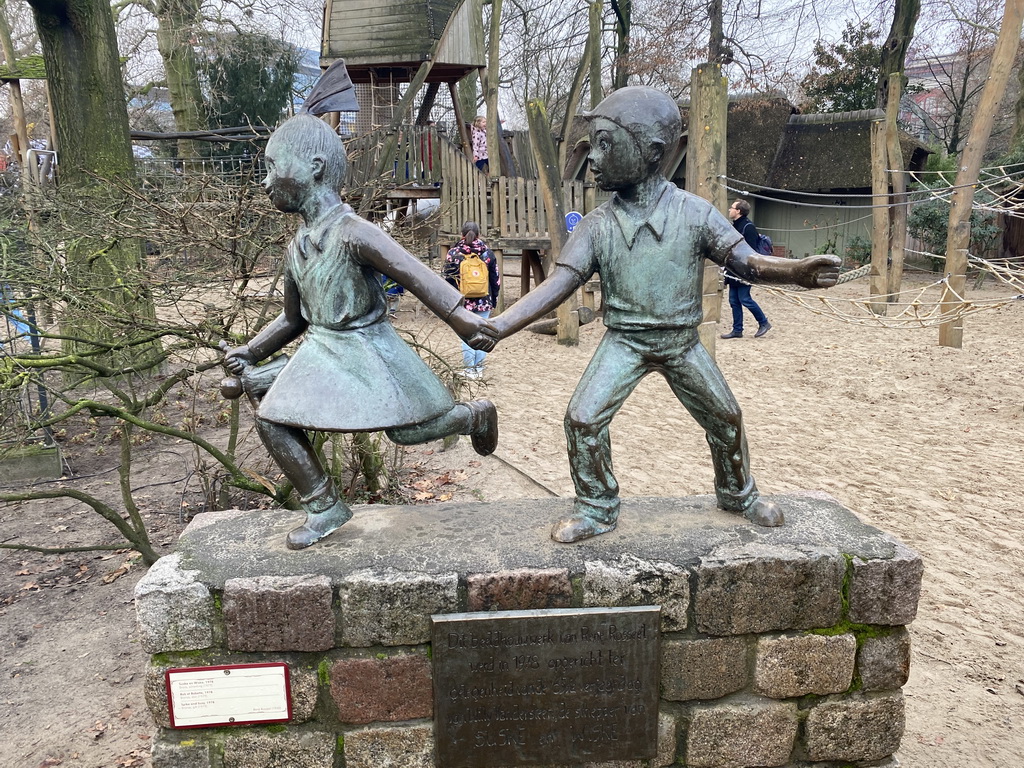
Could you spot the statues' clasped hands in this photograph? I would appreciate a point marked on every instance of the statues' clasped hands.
(477, 331)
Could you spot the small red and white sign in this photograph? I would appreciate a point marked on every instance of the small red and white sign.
(232, 694)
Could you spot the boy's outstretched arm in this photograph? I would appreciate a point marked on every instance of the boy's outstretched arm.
(565, 278)
(821, 271)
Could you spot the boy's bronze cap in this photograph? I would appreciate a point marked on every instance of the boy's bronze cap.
(645, 112)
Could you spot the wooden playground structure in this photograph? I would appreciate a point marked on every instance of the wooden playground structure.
(397, 150)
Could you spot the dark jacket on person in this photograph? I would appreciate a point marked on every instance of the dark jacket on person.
(746, 228)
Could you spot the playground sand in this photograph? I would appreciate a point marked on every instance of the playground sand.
(920, 440)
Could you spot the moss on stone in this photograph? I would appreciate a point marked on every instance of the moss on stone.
(323, 672)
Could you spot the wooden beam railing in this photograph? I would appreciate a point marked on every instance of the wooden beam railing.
(415, 159)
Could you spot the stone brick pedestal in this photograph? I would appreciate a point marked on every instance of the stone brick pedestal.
(780, 646)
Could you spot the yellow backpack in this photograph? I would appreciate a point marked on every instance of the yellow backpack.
(473, 280)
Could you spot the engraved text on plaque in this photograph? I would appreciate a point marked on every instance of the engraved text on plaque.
(544, 687)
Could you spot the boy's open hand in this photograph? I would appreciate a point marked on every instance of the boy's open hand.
(475, 330)
(818, 271)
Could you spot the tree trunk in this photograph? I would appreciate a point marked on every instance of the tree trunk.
(716, 41)
(176, 24)
(623, 25)
(894, 51)
(596, 91)
(107, 301)
(550, 182)
(83, 70)
(705, 167)
(951, 334)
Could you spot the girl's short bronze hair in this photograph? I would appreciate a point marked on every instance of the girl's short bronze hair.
(311, 136)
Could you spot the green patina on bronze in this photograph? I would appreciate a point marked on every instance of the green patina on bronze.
(649, 243)
(352, 372)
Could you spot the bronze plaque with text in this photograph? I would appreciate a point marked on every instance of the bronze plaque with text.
(545, 687)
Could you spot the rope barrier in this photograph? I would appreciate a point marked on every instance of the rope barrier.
(919, 312)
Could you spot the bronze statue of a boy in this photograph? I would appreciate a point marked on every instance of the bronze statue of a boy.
(648, 243)
(352, 372)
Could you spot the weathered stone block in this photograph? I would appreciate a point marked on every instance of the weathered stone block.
(174, 610)
(741, 735)
(860, 728)
(704, 669)
(293, 749)
(386, 690)
(886, 591)
(668, 740)
(519, 590)
(883, 661)
(305, 688)
(796, 665)
(390, 747)
(389, 607)
(279, 613)
(168, 754)
(630, 581)
(761, 588)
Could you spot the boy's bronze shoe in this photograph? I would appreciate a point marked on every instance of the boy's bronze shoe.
(578, 527)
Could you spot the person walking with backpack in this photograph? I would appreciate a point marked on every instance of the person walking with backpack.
(472, 268)
(739, 292)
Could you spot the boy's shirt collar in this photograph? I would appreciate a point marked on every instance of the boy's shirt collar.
(656, 221)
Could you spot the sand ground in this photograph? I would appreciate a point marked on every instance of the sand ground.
(921, 440)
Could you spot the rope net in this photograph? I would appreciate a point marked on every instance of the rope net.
(932, 305)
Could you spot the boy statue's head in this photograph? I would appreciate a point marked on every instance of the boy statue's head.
(629, 133)
(303, 150)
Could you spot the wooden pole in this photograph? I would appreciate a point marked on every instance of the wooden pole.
(878, 281)
(958, 238)
(550, 179)
(705, 165)
(491, 93)
(596, 92)
(572, 103)
(898, 212)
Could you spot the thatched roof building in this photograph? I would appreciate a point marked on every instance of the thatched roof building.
(768, 144)
(832, 152)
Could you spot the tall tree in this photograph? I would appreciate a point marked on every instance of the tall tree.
(248, 78)
(893, 56)
(844, 76)
(953, 66)
(177, 25)
(106, 291)
(623, 10)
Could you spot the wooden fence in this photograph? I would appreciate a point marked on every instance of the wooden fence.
(415, 160)
(508, 208)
